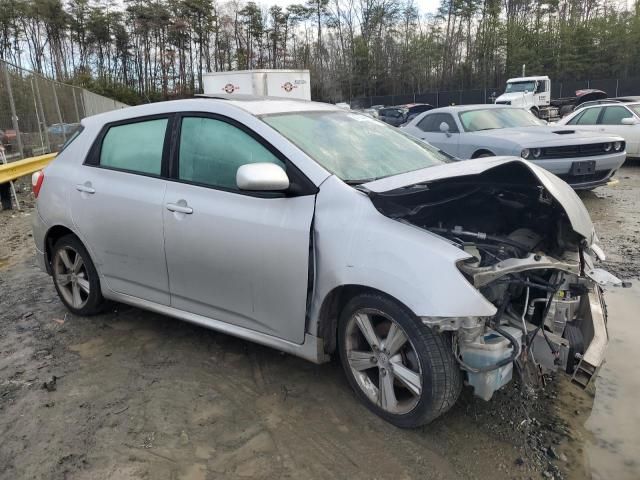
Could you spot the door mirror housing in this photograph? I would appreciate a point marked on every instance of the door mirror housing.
(444, 128)
(629, 121)
(262, 177)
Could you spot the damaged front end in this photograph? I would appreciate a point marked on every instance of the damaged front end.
(531, 252)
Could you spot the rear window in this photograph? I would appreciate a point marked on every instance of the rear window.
(73, 136)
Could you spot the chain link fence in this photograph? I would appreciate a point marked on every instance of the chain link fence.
(612, 86)
(38, 115)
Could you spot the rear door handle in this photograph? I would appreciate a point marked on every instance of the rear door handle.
(174, 207)
(85, 188)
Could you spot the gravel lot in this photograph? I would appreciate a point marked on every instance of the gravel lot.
(131, 394)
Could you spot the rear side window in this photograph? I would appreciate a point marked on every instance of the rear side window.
(588, 117)
(136, 147)
(211, 151)
(614, 115)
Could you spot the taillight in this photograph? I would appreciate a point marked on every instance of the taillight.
(36, 182)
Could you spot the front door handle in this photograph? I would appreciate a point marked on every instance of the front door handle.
(86, 188)
(175, 207)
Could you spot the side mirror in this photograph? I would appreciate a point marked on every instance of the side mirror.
(629, 121)
(444, 128)
(262, 177)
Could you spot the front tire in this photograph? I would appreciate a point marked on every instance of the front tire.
(400, 369)
(75, 277)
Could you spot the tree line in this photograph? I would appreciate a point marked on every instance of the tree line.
(146, 50)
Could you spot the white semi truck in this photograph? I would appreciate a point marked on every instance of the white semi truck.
(264, 83)
(534, 93)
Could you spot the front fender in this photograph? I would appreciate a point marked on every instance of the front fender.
(354, 244)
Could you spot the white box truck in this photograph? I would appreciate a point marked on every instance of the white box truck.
(267, 83)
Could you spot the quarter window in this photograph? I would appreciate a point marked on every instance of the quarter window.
(211, 151)
(614, 115)
(136, 147)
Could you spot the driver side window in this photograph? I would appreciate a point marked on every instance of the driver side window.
(614, 115)
(211, 151)
(431, 123)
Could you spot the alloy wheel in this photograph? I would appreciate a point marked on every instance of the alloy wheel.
(383, 361)
(71, 277)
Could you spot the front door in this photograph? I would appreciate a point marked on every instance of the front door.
(234, 256)
(116, 204)
(611, 122)
(430, 131)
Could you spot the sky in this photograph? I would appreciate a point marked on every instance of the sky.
(425, 6)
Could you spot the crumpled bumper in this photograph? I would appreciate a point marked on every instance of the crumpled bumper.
(594, 327)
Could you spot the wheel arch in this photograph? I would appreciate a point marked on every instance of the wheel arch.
(482, 151)
(55, 233)
(332, 305)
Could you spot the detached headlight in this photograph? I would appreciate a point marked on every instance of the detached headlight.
(526, 153)
(618, 146)
(536, 152)
(607, 147)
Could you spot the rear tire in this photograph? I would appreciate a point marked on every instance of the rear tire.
(411, 376)
(75, 277)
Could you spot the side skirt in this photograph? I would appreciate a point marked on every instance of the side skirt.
(311, 349)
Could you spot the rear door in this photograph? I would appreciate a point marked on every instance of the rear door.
(235, 256)
(117, 207)
(429, 130)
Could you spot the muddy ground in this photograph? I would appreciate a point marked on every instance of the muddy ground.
(135, 395)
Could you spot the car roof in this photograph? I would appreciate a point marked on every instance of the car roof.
(465, 108)
(254, 105)
(628, 99)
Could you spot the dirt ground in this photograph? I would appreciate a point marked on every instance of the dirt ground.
(135, 395)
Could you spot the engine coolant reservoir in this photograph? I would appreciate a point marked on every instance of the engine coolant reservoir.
(486, 350)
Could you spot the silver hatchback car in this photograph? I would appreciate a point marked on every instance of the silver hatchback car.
(319, 231)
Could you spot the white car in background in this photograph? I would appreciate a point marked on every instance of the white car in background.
(615, 119)
(584, 160)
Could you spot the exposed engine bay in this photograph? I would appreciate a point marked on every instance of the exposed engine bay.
(527, 260)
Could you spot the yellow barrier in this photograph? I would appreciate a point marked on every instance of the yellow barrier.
(14, 170)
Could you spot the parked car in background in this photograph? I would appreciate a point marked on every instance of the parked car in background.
(394, 116)
(63, 128)
(415, 109)
(319, 232)
(9, 139)
(583, 159)
(59, 133)
(401, 114)
(615, 118)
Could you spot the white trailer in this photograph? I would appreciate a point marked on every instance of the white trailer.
(267, 83)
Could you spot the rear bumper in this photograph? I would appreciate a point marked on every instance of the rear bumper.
(39, 228)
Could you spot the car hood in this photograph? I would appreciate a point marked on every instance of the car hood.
(511, 96)
(557, 188)
(546, 136)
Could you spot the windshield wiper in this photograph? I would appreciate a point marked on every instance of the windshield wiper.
(359, 182)
(483, 129)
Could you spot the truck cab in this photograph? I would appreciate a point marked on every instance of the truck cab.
(532, 93)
